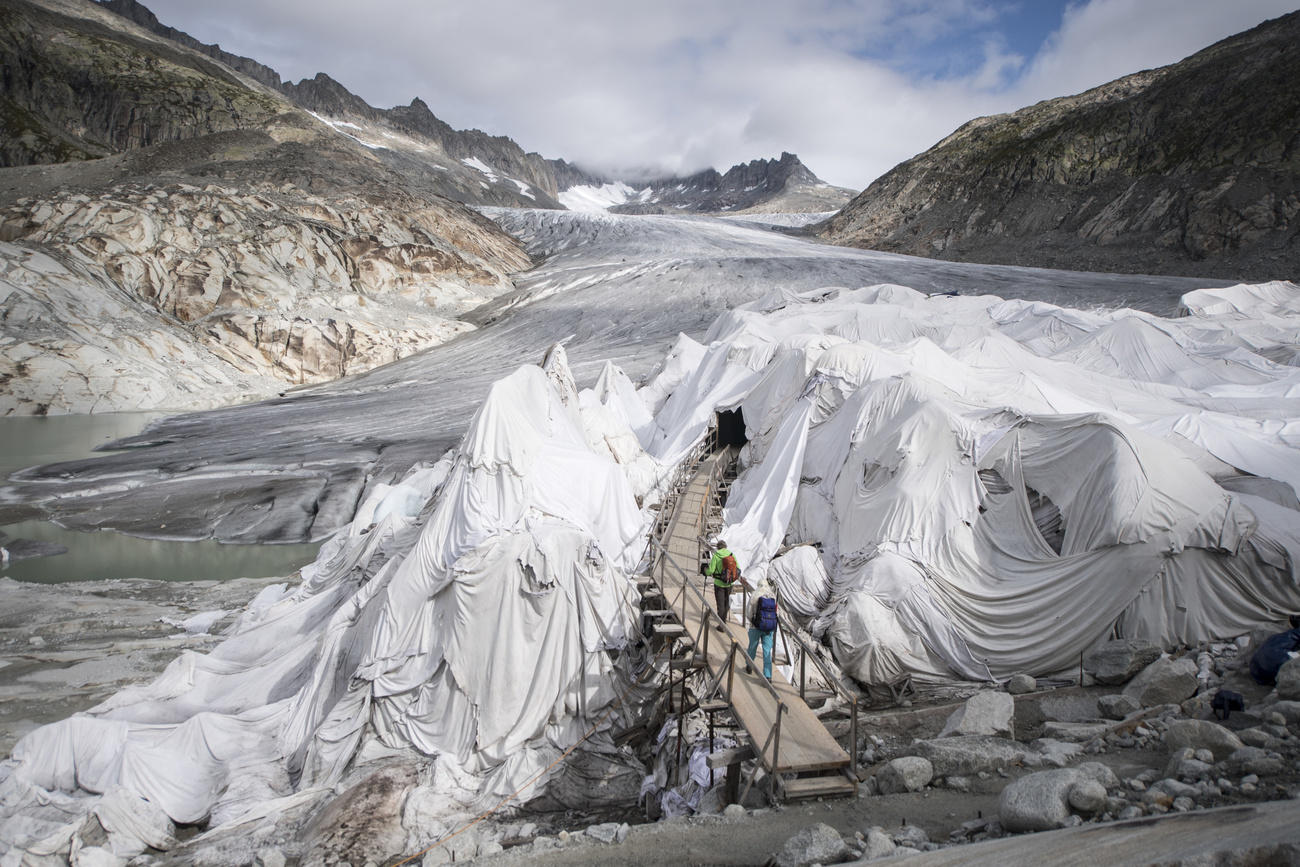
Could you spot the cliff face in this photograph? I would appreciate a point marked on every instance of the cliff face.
(1193, 168)
(76, 87)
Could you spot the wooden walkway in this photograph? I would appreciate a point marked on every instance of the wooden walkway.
(787, 737)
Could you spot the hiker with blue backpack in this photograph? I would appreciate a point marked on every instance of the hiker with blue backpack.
(762, 623)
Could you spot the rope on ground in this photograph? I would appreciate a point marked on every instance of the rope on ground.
(510, 797)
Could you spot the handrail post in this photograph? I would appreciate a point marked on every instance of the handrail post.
(803, 669)
(731, 670)
(853, 737)
(776, 751)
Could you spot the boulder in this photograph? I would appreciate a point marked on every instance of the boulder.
(984, 713)
(1117, 661)
(1019, 684)
(1198, 734)
(904, 774)
(1257, 737)
(816, 844)
(878, 845)
(1117, 705)
(1165, 681)
(1290, 711)
(971, 754)
(912, 836)
(1183, 765)
(1252, 760)
(1040, 801)
(1099, 772)
(1087, 797)
(1288, 680)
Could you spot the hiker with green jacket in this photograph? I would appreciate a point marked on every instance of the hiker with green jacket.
(725, 573)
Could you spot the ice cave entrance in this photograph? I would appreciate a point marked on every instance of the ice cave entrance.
(731, 428)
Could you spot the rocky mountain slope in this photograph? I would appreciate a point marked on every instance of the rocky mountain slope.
(1192, 168)
(782, 185)
(228, 246)
(478, 168)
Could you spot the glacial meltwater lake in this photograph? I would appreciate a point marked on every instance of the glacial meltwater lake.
(29, 441)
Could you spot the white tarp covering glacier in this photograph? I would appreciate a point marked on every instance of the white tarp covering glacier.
(972, 486)
(994, 486)
(464, 613)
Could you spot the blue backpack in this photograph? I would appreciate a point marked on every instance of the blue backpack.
(765, 614)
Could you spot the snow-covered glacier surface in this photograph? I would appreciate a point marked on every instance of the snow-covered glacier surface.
(975, 484)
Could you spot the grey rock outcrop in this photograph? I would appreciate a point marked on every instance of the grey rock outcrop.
(1117, 661)
(1165, 681)
(1191, 168)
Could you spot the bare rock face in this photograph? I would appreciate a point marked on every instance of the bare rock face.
(250, 290)
(73, 94)
(1189, 169)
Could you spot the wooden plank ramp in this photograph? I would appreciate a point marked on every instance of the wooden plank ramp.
(804, 747)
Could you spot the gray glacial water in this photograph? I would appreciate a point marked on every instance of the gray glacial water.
(612, 288)
(28, 441)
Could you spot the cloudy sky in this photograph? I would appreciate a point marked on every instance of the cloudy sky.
(673, 86)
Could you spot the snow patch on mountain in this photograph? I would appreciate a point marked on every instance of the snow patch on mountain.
(591, 198)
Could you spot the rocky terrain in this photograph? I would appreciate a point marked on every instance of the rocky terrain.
(1192, 168)
(232, 245)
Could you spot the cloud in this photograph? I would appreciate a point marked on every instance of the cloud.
(852, 86)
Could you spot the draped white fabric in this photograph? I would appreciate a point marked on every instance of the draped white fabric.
(995, 486)
(477, 634)
(991, 486)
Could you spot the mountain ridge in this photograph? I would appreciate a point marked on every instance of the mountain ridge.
(505, 158)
